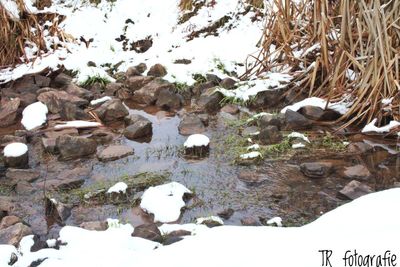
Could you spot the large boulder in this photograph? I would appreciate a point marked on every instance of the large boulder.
(8, 112)
(54, 100)
(75, 147)
(148, 94)
(111, 111)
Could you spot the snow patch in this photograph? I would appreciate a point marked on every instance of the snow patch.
(251, 155)
(15, 150)
(384, 129)
(298, 145)
(100, 100)
(253, 147)
(34, 115)
(119, 187)
(276, 220)
(299, 135)
(196, 140)
(77, 124)
(340, 107)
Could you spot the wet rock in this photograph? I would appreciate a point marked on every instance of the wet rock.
(197, 145)
(6, 204)
(12, 235)
(102, 137)
(148, 231)
(19, 175)
(134, 83)
(57, 210)
(231, 109)
(210, 100)
(115, 152)
(55, 100)
(112, 88)
(169, 100)
(157, 70)
(312, 113)
(251, 177)
(198, 89)
(111, 111)
(41, 81)
(227, 83)
(270, 135)
(191, 124)
(357, 172)
(296, 121)
(317, 169)
(95, 225)
(213, 78)
(205, 118)
(226, 214)
(78, 91)
(70, 112)
(24, 188)
(270, 120)
(139, 129)
(148, 94)
(8, 221)
(8, 112)
(355, 189)
(124, 93)
(250, 221)
(359, 147)
(61, 80)
(67, 131)
(74, 147)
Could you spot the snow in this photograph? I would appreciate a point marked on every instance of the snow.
(276, 220)
(384, 129)
(340, 107)
(298, 145)
(210, 218)
(118, 187)
(100, 100)
(299, 135)
(257, 116)
(387, 101)
(15, 150)
(251, 155)
(164, 201)
(34, 115)
(77, 124)
(11, 7)
(376, 214)
(51, 243)
(196, 140)
(253, 147)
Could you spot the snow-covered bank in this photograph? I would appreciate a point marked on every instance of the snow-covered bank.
(369, 224)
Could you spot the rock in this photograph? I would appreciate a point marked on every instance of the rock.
(20, 175)
(133, 118)
(115, 152)
(49, 145)
(157, 70)
(134, 83)
(102, 136)
(8, 112)
(210, 100)
(63, 184)
(61, 80)
(250, 131)
(148, 231)
(357, 172)
(359, 147)
(16, 156)
(95, 225)
(140, 129)
(198, 89)
(41, 81)
(148, 94)
(250, 221)
(112, 88)
(267, 99)
(231, 109)
(12, 235)
(124, 94)
(6, 204)
(27, 99)
(312, 113)
(169, 100)
(270, 120)
(55, 100)
(296, 121)
(8, 221)
(70, 112)
(74, 147)
(132, 71)
(213, 78)
(111, 111)
(227, 83)
(251, 177)
(226, 214)
(175, 236)
(317, 169)
(142, 67)
(57, 210)
(197, 145)
(270, 135)
(355, 189)
(75, 90)
(191, 124)
(25, 85)
(6, 139)
(24, 188)
(67, 131)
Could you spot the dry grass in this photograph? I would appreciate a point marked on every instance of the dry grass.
(186, 5)
(338, 38)
(16, 33)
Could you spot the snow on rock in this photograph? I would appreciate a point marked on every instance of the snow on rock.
(196, 140)
(119, 187)
(251, 155)
(384, 129)
(15, 150)
(164, 201)
(340, 107)
(276, 220)
(77, 124)
(253, 147)
(376, 214)
(299, 135)
(34, 115)
(100, 100)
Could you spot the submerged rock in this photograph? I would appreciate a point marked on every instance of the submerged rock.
(169, 100)
(139, 127)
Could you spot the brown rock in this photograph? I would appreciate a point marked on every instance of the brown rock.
(111, 111)
(18, 175)
(94, 226)
(149, 232)
(12, 235)
(317, 169)
(74, 147)
(8, 112)
(231, 109)
(355, 189)
(357, 172)
(115, 152)
(9, 221)
(134, 83)
(191, 124)
(148, 94)
(157, 70)
(55, 100)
